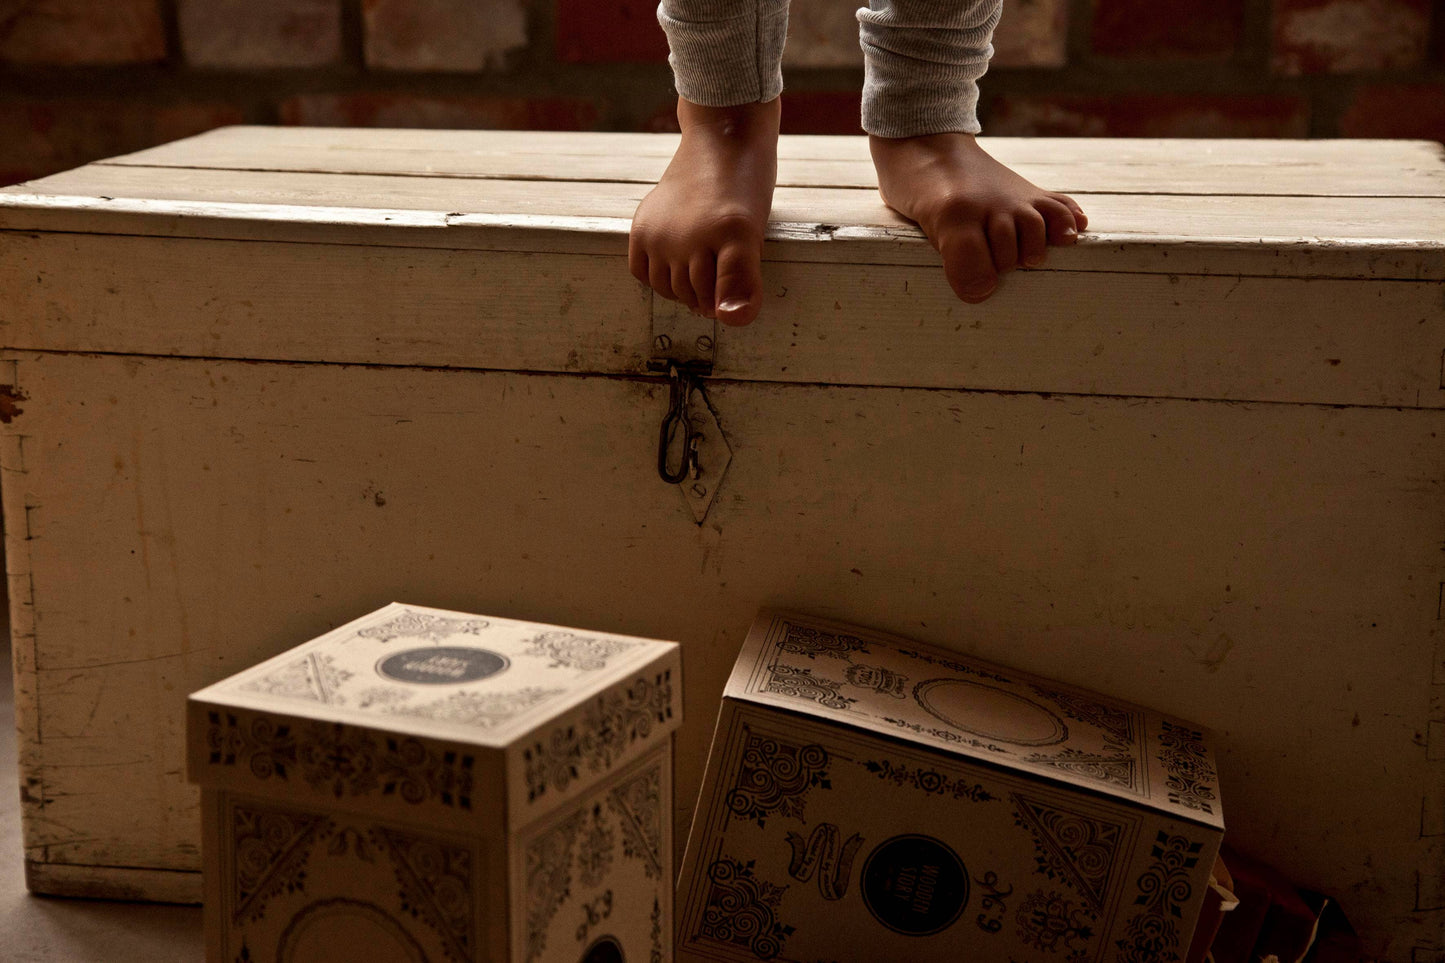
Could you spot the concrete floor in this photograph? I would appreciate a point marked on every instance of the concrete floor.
(37, 929)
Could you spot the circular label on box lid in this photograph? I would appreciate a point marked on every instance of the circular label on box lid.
(442, 665)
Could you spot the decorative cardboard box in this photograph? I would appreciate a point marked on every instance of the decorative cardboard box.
(870, 798)
(423, 785)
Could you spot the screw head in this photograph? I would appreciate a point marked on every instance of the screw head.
(699, 489)
(704, 343)
(662, 342)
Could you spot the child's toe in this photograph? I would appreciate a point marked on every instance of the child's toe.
(1060, 220)
(739, 283)
(968, 264)
(1033, 234)
(659, 276)
(703, 272)
(1003, 241)
(682, 285)
(1081, 220)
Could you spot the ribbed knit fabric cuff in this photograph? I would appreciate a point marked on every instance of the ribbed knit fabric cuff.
(726, 52)
(921, 66)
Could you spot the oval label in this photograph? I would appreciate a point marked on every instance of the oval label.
(914, 885)
(442, 665)
(990, 712)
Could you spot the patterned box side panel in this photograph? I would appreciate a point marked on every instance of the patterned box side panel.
(595, 876)
(812, 839)
(330, 764)
(609, 730)
(292, 884)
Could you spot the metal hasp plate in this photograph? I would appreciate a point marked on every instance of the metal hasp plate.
(692, 452)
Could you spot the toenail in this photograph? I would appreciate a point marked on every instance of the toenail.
(733, 304)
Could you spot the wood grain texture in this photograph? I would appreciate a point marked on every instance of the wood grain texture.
(1090, 165)
(1391, 237)
(1202, 557)
(1181, 336)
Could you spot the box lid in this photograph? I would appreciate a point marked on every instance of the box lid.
(1284, 271)
(543, 707)
(951, 702)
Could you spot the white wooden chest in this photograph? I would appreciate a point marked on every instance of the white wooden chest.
(870, 798)
(423, 785)
(263, 379)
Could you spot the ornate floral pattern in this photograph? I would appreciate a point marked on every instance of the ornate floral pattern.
(1155, 934)
(799, 683)
(929, 781)
(422, 625)
(1189, 777)
(946, 735)
(638, 805)
(610, 724)
(812, 642)
(741, 910)
(656, 956)
(270, 848)
(314, 677)
(585, 653)
(594, 849)
(775, 777)
(1077, 848)
(436, 886)
(549, 879)
(1116, 770)
(339, 760)
(479, 710)
(977, 672)
(1118, 725)
(1049, 921)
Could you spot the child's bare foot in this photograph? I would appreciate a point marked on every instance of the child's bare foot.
(982, 217)
(698, 236)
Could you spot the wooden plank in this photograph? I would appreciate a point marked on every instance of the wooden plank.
(1324, 218)
(224, 145)
(787, 241)
(1247, 339)
(1360, 237)
(113, 882)
(312, 302)
(222, 510)
(1300, 168)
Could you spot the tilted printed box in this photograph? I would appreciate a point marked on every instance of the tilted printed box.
(870, 798)
(424, 785)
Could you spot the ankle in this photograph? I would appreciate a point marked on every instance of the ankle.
(744, 121)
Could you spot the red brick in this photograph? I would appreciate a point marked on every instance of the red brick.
(1349, 36)
(443, 35)
(260, 33)
(822, 112)
(609, 31)
(1032, 33)
(1412, 111)
(42, 137)
(1149, 115)
(405, 110)
(1181, 29)
(76, 32)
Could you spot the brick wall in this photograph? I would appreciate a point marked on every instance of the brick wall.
(82, 79)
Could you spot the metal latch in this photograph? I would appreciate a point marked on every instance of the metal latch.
(691, 449)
